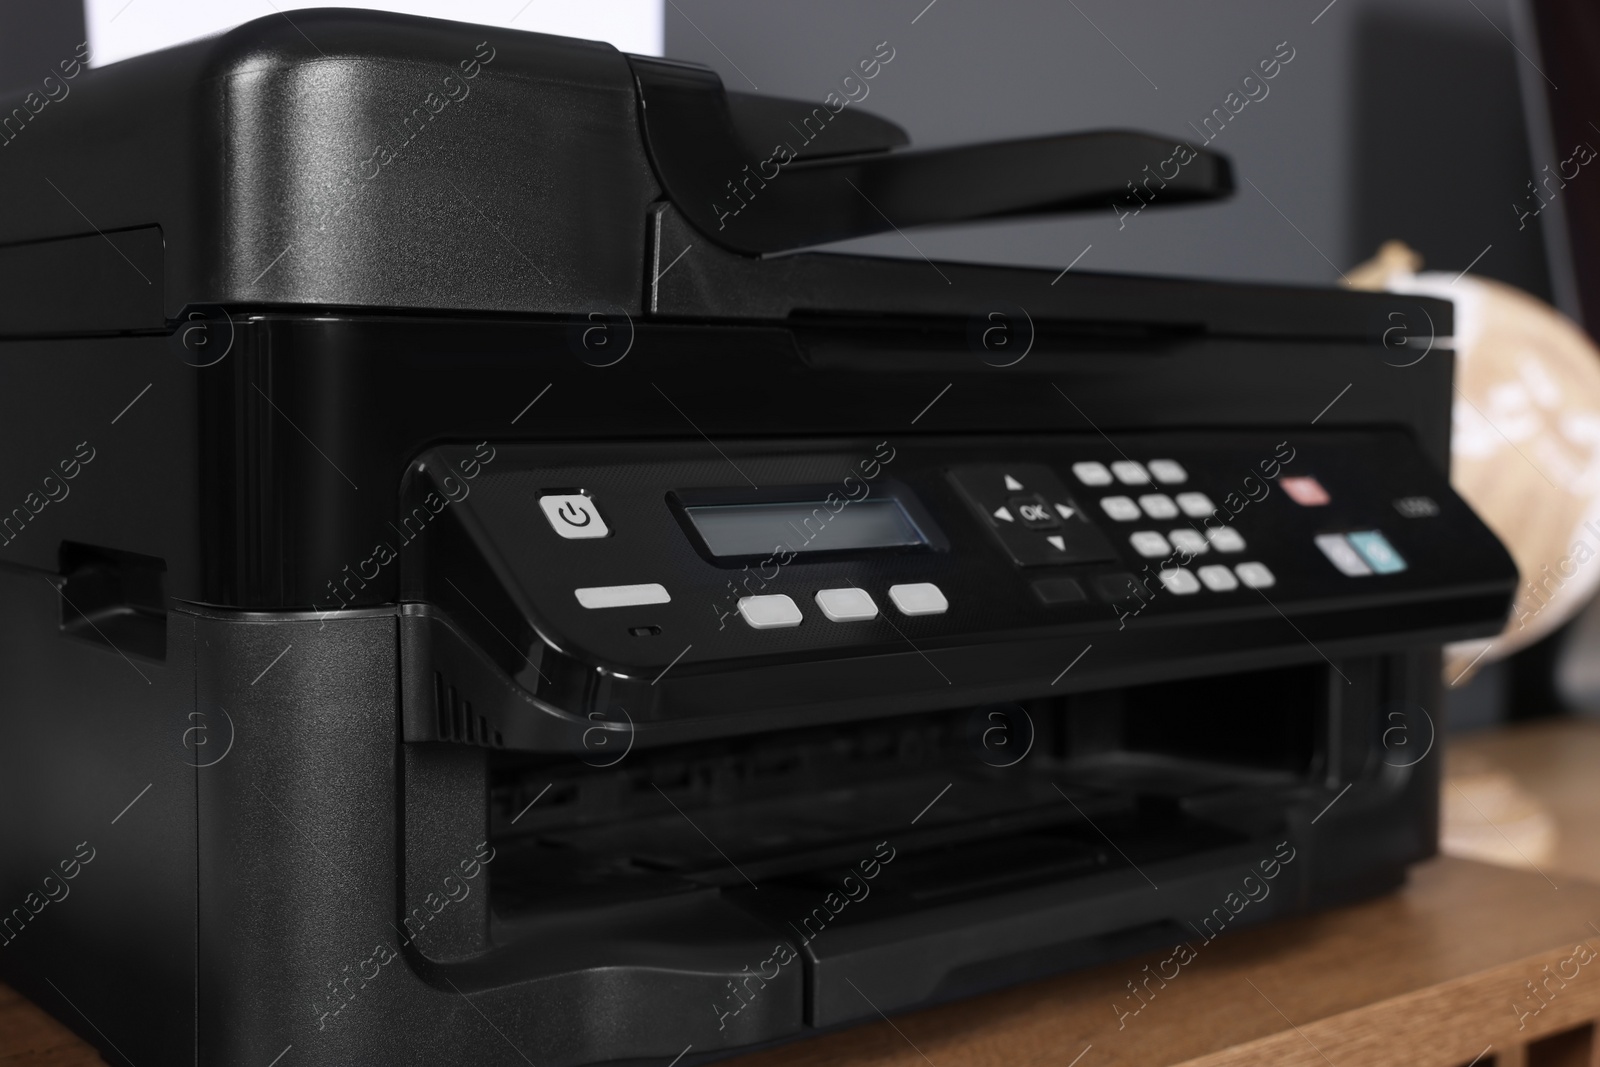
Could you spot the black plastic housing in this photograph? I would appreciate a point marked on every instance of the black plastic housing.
(332, 773)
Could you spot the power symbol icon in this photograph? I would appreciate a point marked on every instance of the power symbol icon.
(573, 515)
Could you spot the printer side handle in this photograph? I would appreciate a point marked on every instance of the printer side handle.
(759, 181)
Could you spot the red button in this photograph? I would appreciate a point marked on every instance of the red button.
(1305, 491)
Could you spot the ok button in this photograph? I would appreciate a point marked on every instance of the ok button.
(1034, 512)
(573, 515)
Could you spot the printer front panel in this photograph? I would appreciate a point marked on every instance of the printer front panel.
(784, 583)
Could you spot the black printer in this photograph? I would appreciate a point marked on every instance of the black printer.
(474, 594)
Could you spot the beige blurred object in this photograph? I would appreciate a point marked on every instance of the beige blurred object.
(1487, 816)
(1525, 448)
(1394, 258)
(1551, 763)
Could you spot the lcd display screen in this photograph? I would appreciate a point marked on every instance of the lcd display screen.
(806, 526)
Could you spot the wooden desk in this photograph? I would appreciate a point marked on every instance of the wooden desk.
(30, 1038)
(1422, 978)
(1426, 977)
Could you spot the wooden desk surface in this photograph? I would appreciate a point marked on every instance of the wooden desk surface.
(30, 1038)
(1426, 976)
(1421, 977)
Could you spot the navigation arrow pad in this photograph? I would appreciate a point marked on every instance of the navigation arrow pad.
(1029, 511)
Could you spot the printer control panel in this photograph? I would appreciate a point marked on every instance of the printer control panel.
(671, 558)
(1153, 510)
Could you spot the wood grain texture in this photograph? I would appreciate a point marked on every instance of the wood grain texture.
(1425, 976)
(30, 1038)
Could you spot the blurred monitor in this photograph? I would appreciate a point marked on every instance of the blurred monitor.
(1561, 92)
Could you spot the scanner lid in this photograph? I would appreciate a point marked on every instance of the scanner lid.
(361, 160)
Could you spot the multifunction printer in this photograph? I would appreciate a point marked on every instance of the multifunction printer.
(476, 590)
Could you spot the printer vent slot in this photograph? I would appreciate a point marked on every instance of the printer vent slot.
(456, 720)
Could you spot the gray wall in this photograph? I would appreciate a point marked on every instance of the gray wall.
(1396, 118)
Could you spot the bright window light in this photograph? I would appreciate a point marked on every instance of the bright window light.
(119, 29)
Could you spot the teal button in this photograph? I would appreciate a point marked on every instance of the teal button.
(1377, 551)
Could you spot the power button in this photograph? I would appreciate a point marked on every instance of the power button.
(573, 515)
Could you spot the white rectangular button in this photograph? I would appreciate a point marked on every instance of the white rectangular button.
(1343, 555)
(846, 605)
(1158, 506)
(1149, 544)
(573, 515)
(1255, 575)
(1225, 539)
(1092, 473)
(1130, 473)
(771, 612)
(1120, 508)
(622, 596)
(1218, 578)
(1179, 581)
(1168, 471)
(1190, 541)
(919, 598)
(1195, 505)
